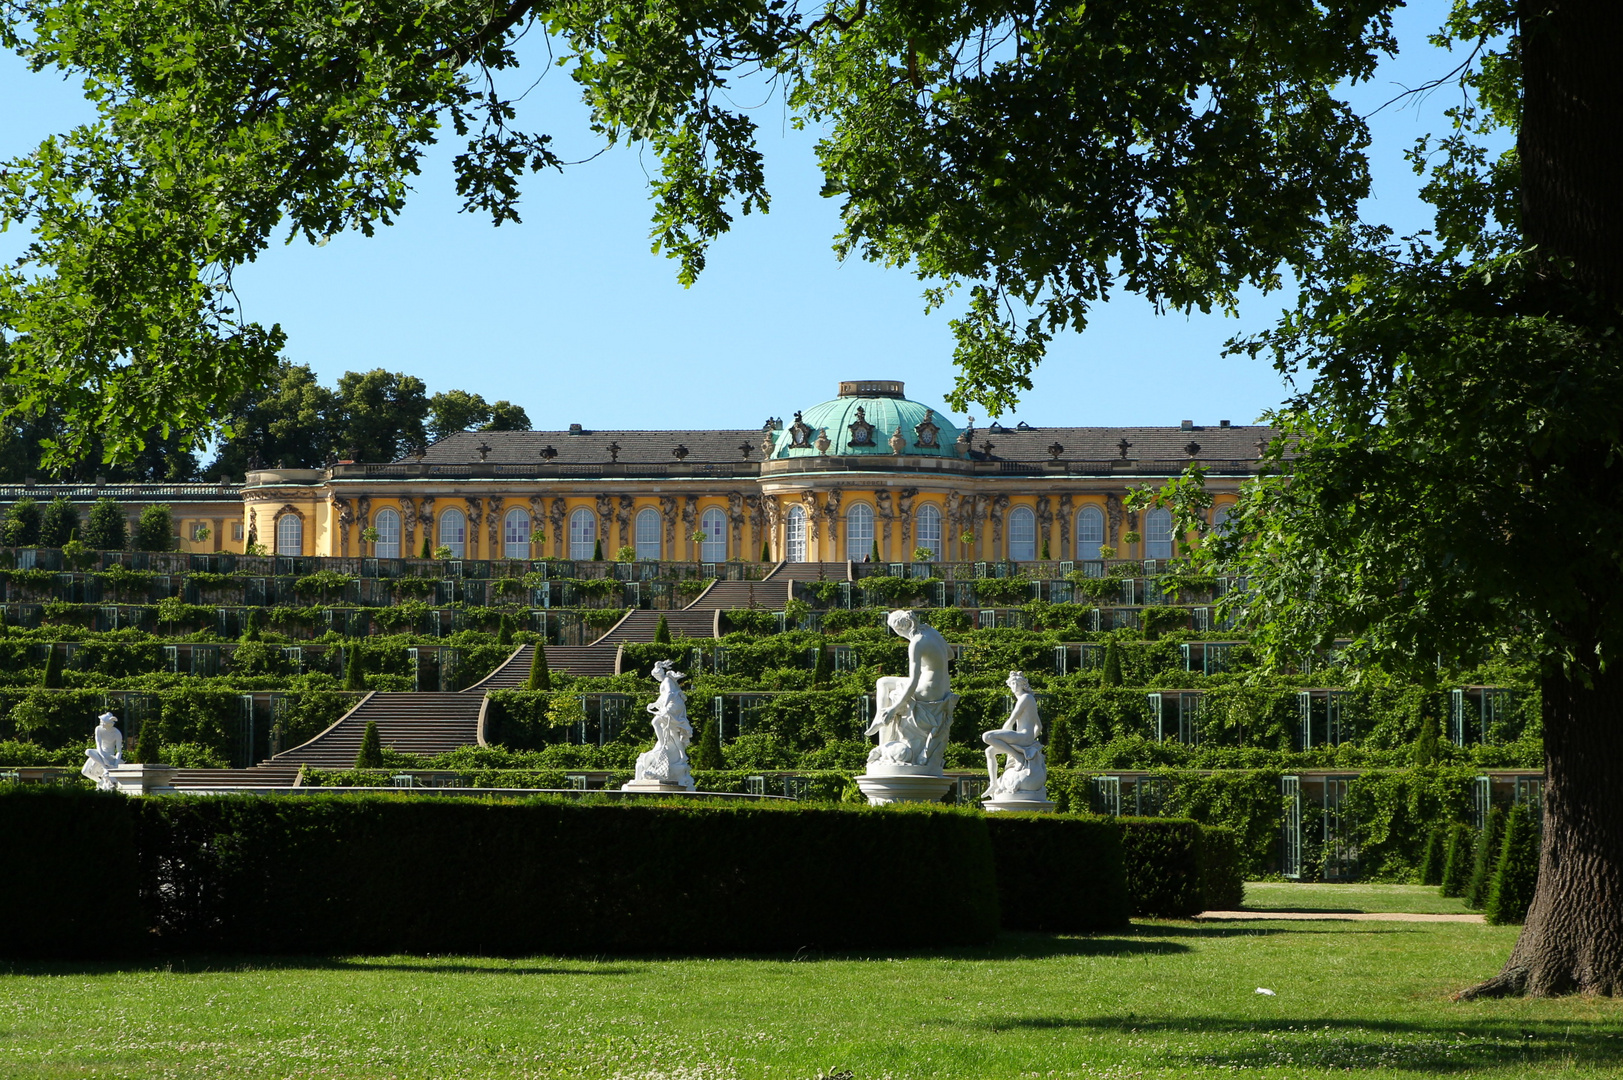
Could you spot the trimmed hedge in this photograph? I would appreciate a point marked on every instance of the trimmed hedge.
(1058, 873)
(69, 882)
(1222, 879)
(1178, 868)
(331, 874)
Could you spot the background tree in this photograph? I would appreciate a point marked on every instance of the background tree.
(22, 523)
(290, 423)
(381, 414)
(155, 529)
(107, 529)
(59, 523)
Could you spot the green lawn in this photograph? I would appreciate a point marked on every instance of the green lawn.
(1291, 896)
(1164, 1000)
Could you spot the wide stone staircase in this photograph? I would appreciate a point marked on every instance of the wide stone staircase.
(436, 723)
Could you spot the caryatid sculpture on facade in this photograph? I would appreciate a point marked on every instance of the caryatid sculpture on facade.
(1023, 783)
(665, 766)
(108, 753)
(913, 719)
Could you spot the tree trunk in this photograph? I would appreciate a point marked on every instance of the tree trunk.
(1571, 137)
(1573, 939)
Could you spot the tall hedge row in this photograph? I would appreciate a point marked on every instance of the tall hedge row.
(1059, 874)
(68, 881)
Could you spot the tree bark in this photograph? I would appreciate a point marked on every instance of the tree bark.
(1571, 137)
(1573, 939)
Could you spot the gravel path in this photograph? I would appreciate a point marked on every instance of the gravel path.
(1348, 916)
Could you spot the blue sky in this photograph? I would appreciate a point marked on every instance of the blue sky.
(570, 316)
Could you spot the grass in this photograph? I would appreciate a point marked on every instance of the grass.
(1162, 1000)
(1292, 896)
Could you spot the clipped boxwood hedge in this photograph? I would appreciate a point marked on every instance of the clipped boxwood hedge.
(1059, 873)
(1178, 868)
(68, 885)
(330, 874)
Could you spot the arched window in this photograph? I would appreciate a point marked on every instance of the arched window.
(859, 532)
(713, 523)
(516, 534)
(289, 535)
(1220, 519)
(1023, 535)
(387, 523)
(454, 532)
(1158, 534)
(648, 534)
(1090, 532)
(796, 534)
(929, 529)
(582, 533)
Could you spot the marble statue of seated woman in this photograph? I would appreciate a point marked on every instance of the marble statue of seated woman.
(1024, 769)
(108, 753)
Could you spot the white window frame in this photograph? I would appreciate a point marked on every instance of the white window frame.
(387, 523)
(859, 532)
(454, 532)
(713, 523)
(582, 534)
(290, 535)
(516, 534)
(927, 529)
(1023, 534)
(1158, 533)
(1090, 532)
(648, 528)
(794, 534)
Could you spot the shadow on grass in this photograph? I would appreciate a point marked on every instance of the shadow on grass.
(1457, 1042)
(210, 964)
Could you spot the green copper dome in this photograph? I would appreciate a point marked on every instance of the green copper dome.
(863, 420)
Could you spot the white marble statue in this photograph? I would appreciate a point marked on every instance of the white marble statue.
(914, 715)
(665, 766)
(108, 753)
(1023, 784)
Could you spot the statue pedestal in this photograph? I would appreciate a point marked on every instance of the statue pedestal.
(654, 787)
(902, 783)
(1020, 800)
(143, 779)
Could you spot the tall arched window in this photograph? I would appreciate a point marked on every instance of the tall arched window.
(1220, 519)
(1023, 535)
(859, 532)
(713, 523)
(516, 534)
(289, 535)
(795, 530)
(1158, 534)
(454, 532)
(1090, 532)
(582, 533)
(929, 529)
(648, 534)
(387, 523)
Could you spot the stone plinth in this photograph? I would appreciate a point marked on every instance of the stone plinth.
(654, 787)
(1020, 800)
(143, 779)
(902, 783)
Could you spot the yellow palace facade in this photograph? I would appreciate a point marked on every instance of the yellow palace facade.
(867, 474)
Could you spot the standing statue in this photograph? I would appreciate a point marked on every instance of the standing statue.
(665, 766)
(1023, 785)
(913, 720)
(108, 753)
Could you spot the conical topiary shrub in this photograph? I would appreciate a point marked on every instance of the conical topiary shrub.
(1058, 750)
(428, 546)
(370, 755)
(256, 620)
(1425, 747)
(1487, 858)
(597, 551)
(354, 678)
(662, 632)
(874, 555)
(147, 746)
(1515, 876)
(1457, 860)
(1112, 672)
(822, 668)
(52, 678)
(766, 551)
(707, 754)
(1431, 863)
(504, 635)
(540, 675)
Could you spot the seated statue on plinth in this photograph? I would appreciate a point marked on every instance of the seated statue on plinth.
(1025, 772)
(108, 753)
(666, 765)
(914, 714)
